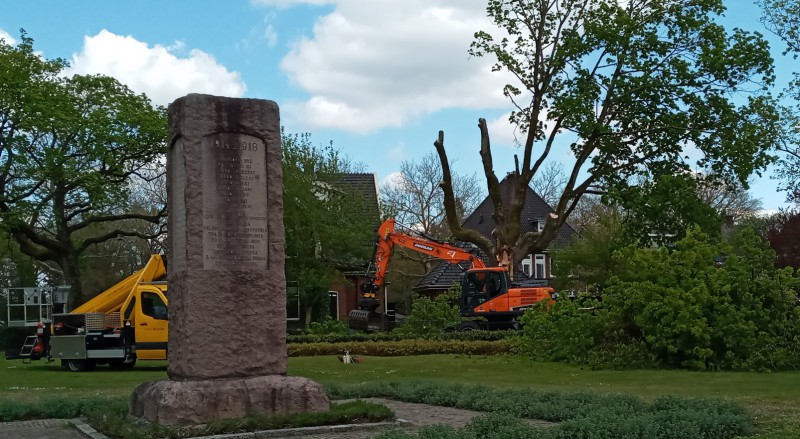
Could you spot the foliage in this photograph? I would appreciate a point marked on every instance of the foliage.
(70, 148)
(328, 326)
(433, 315)
(402, 348)
(781, 18)
(705, 305)
(110, 416)
(783, 235)
(659, 212)
(585, 263)
(624, 89)
(327, 228)
(397, 336)
(582, 415)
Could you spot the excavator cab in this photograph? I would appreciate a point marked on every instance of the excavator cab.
(481, 285)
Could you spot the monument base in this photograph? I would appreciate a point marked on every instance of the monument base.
(196, 402)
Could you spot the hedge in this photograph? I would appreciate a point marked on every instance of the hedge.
(403, 348)
(396, 336)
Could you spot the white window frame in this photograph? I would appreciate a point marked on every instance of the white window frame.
(536, 263)
(527, 265)
(330, 295)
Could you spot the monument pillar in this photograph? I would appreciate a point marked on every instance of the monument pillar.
(227, 290)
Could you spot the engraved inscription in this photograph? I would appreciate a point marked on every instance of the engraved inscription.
(234, 203)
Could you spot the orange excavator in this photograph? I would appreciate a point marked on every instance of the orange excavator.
(486, 292)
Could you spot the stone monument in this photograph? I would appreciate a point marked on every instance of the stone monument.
(227, 292)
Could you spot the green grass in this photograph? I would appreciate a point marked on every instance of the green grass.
(773, 398)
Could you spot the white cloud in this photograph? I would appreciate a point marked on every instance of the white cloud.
(393, 180)
(381, 63)
(7, 36)
(162, 73)
(502, 132)
(270, 35)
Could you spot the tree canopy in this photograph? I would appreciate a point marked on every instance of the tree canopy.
(630, 90)
(329, 229)
(782, 17)
(70, 148)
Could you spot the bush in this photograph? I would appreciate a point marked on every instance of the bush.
(328, 326)
(680, 308)
(433, 316)
(397, 336)
(110, 416)
(581, 415)
(403, 348)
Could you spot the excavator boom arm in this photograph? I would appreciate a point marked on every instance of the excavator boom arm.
(389, 236)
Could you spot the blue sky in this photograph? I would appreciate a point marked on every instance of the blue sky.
(379, 78)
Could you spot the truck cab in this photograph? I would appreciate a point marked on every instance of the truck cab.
(128, 321)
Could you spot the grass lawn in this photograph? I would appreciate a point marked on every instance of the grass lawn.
(774, 398)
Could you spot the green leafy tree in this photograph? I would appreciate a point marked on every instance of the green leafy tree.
(328, 229)
(710, 306)
(586, 263)
(703, 305)
(661, 210)
(624, 89)
(782, 17)
(69, 147)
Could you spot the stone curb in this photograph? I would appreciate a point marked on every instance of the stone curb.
(263, 434)
(86, 429)
(303, 431)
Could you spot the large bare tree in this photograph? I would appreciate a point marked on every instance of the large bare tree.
(625, 88)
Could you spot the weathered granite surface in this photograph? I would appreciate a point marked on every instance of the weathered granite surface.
(227, 291)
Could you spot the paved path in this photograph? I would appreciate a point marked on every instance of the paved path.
(412, 417)
(40, 429)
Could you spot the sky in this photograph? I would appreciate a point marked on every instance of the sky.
(378, 78)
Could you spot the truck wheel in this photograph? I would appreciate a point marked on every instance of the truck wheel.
(468, 325)
(120, 364)
(80, 365)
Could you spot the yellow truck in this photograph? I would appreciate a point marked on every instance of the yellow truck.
(120, 325)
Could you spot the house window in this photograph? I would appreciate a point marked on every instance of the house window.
(539, 267)
(527, 265)
(333, 304)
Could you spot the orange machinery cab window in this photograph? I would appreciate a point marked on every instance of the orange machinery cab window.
(151, 325)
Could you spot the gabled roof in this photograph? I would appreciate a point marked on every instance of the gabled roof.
(535, 209)
(363, 185)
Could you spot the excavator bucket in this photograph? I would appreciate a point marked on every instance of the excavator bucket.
(363, 320)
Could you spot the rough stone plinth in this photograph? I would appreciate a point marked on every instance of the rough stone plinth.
(194, 402)
(227, 290)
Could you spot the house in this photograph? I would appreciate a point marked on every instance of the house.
(344, 295)
(533, 266)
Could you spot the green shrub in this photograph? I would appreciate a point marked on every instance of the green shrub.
(110, 416)
(433, 315)
(397, 336)
(403, 348)
(581, 415)
(680, 308)
(327, 326)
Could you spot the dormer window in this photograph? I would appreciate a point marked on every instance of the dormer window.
(538, 224)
